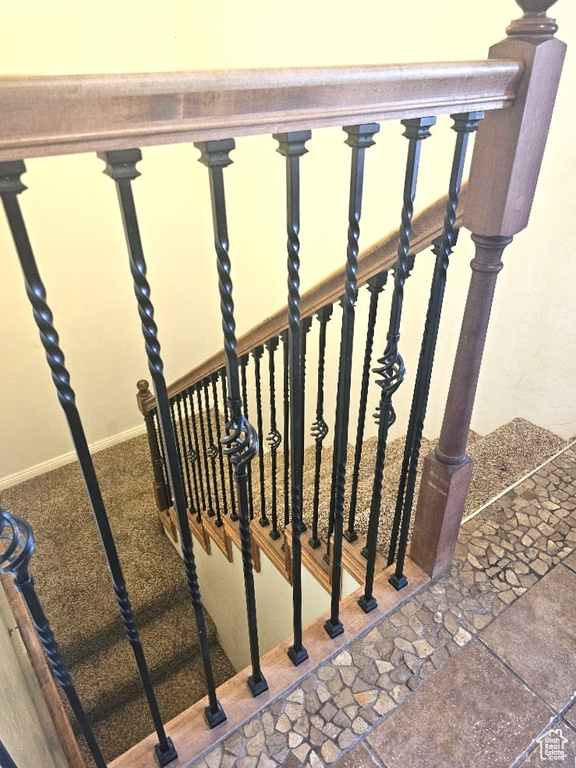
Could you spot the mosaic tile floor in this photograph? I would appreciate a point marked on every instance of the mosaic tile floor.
(336, 715)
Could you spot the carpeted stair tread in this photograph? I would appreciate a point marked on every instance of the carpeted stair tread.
(108, 678)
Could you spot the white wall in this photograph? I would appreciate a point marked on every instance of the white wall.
(74, 222)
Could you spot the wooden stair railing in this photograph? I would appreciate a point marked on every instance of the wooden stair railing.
(113, 114)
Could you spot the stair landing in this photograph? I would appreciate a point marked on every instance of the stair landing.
(477, 669)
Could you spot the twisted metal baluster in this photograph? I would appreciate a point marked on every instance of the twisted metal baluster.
(121, 166)
(10, 186)
(243, 366)
(184, 454)
(292, 146)
(274, 438)
(319, 429)
(212, 453)
(392, 370)
(197, 450)
(359, 139)
(17, 547)
(210, 508)
(233, 513)
(464, 125)
(192, 454)
(181, 451)
(286, 423)
(241, 441)
(214, 381)
(375, 287)
(257, 355)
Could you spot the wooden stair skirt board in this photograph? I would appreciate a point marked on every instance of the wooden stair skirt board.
(278, 551)
(189, 731)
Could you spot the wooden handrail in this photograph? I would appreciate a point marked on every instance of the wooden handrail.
(378, 257)
(48, 115)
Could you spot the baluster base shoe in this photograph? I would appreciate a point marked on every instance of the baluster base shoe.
(350, 536)
(215, 718)
(264, 522)
(333, 630)
(274, 535)
(165, 756)
(314, 543)
(297, 655)
(256, 688)
(398, 582)
(367, 604)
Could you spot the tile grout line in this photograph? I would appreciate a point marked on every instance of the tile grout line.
(532, 472)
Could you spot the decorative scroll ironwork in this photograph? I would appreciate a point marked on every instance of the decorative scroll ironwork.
(319, 429)
(10, 186)
(16, 549)
(391, 368)
(375, 287)
(121, 167)
(292, 146)
(464, 125)
(241, 440)
(359, 139)
(274, 438)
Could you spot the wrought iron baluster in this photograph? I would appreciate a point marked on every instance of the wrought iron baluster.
(196, 462)
(319, 429)
(204, 449)
(181, 451)
(286, 423)
(233, 513)
(240, 442)
(5, 759)
(184, 453)
(257, 355)
(391, 366)
(274, 438)
(359, 139)
(154, 414)
(243, 366)
(292, 146)
(121, 166)
(10, 186)
(192, 454)
(16, 549)
(464, 125)
(212, 453)
(214, 382)
(375, 287)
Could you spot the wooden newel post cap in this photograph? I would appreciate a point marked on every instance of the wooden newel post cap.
(143, 388)
(534, 22)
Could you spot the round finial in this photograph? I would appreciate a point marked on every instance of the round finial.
(535, 22)
(143, 388)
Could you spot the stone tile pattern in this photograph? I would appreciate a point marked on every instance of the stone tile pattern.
(501, 553)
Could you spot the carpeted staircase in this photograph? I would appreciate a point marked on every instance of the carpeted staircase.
(73, 582)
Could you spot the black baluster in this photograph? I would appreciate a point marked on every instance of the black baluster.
(375, 287)
(274, 438)
(181, 451)
(286, 423)
(197, 449)
(392, 370)
(241, 441)
(5, 759)
(121, 166)
(214, 382)
(257, 355)
(319, 429)
(233, 513)
(10, 186)
(243, 366)
(464, 125)
(292, 146)
(160, 453)
(192, 454)
(204, 449)
(177, 399)
(359, 139)
(17, 549)
(212, 453)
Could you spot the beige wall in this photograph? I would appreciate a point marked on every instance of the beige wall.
(74, 222)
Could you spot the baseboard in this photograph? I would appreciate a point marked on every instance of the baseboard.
(67, 458)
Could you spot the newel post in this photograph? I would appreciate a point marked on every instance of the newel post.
(160, 489)
(505, 167)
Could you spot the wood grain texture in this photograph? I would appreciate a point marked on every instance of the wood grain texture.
(50, 115)
(41, 669)
(379, 256)
(189, 731)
